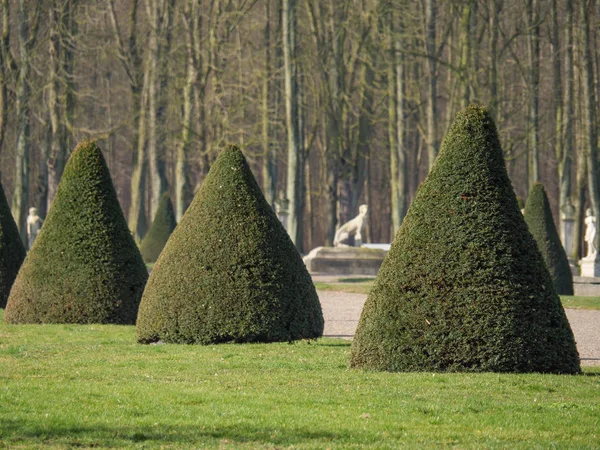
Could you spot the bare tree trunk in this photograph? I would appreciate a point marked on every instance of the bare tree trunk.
(560, 147)
(331, 198)
(159, 12)
(589, 116)
(41, 197)
(20, 198)
(28, 23)
(430, 42)
(495, 6)
(6, 67)
(466, 42)
(183, 192)
(579, 204)
(69, 97)
(396, 130)
(61, 89)
(309, 205)
(57, 154)
(568, 111)
(269, 158)
(362, 147)
(295, 154)
(533, 47)
(130, 57)
(137, 210)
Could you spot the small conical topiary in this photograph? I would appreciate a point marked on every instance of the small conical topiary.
(229, 272)
(84, 266)
(163, 225)
(12, 251)
(538, 217)
(464, 287)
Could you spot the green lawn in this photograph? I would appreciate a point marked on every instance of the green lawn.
(66, 386)
(364, 285)
(353, 288)
(576, 302)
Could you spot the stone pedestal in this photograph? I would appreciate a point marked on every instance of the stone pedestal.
(590, 267)
(344, 260)
(382, 246)
(586, 286)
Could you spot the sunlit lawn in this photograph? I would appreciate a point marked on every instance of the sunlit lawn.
(578, 302)
(64, 386)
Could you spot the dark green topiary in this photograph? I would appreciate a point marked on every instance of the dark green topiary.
(464, 287)
(538, 217)
(84, 266)
(12, 251)
(163, 225)
(229, 272)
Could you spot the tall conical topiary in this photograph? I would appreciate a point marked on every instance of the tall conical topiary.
(12, 251)
(464, 287)
(229, 272)
(538, 217)
(163, 225)
(84, 266)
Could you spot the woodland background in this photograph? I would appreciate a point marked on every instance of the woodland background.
(334, 102)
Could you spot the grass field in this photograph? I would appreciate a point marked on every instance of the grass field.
(67, 386)
(364, 285)
(576, 302)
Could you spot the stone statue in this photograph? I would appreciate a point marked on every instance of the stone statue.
(34, 224)
(352, 229)
(590, 234)
(282, 210)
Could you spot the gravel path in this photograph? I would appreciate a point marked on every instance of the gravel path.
(342, 311)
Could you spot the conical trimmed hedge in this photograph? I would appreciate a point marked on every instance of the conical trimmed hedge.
(84, 266)
(229, 272)
(12, 251)
(538, 217)
(464, 287)
(163, 225)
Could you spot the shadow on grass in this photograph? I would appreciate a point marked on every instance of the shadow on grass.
(592, 370)
(13, 431)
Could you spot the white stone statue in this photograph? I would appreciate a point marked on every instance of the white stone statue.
(352, 228)
(590, 234)
(34, 224)
(281, 210)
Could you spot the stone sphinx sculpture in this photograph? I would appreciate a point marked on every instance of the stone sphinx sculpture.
(349, 234)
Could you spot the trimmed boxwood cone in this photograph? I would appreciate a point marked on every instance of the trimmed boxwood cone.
(84, 266)
(538, 217)
(12, 251)
(464, 287)
(229, 272)
(163, 225)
